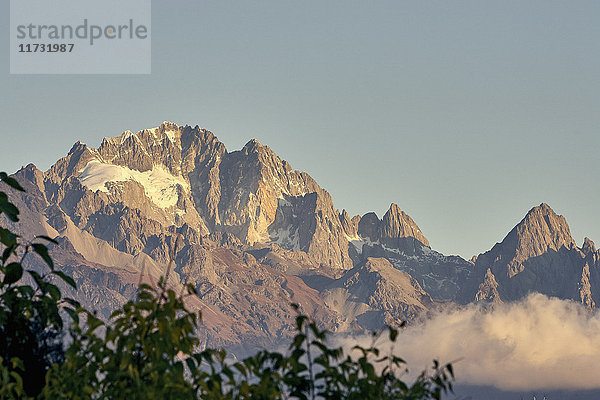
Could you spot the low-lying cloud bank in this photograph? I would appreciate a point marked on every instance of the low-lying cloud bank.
(536, 343)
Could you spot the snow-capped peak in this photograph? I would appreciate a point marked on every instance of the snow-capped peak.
(159, 184)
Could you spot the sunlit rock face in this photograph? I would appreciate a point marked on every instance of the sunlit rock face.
(253, 235)
(539, 255)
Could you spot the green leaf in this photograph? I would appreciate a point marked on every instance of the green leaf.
(191, 289)
(38, 279)
(54, 292)
(10, 250)
(12, 182)
(8, 208)
(393, 334)
(65, 278)
(450, 369)
(7, 238)
(47, 238)
(72, 313)
(25, 290)
(14, 272)
(43, 252)
(93, 322)
(17, 363)
(72, 302)
(145, 286)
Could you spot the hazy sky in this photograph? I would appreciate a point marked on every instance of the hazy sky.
(464, 113)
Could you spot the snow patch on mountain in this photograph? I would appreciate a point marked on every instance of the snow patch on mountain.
(159, 184)
(171, 135)
(168, 128)
(286, 239)
(359, 242)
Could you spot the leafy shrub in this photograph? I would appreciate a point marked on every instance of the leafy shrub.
(30, 320)
(148, 351)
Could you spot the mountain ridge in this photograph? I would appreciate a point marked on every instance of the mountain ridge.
(253, 235)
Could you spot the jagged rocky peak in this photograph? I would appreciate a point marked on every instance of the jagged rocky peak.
(542, 230)
(145, 172)
(538, 254)
(176, 175)
(77, 158)
(143, 150)
(166, 127)
(196, 139)
(588, 246)
(254, 146)
(488, 289)
(265, 156)
(395, 227)
(396, 224)
(273, 173)
(350, 225)
(368, 226)
(166, 130)
(32, 174)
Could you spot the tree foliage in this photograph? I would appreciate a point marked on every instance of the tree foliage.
(30, 321)
(149, 349)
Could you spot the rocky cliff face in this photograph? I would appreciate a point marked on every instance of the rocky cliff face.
(395, 226)
(174, 176)
(398, 239)
(253, 235)
(540, 232)
(375, 294)
(538, 255)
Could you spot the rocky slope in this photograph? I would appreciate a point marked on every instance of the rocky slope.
(245, 228)
(375, 294)
(254, 235)
(538, 255)
(134, 185)
(398, 239)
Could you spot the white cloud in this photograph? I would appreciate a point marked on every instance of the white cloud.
(537, 343)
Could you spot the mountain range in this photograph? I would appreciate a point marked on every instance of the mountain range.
(254, 235)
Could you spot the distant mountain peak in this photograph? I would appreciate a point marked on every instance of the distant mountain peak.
(265, 154)
(252, 235)
(539, 212)
(488, 289)
(543, 208)
(252, 144)
(540, 233)
(398, 224)
(77, 147)
(542, 230)
(588, 246)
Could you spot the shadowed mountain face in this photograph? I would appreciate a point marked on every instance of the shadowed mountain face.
(253, 235)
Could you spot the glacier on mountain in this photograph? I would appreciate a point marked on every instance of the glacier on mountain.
(159, 184)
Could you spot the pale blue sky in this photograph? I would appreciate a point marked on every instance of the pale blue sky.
(464, 113)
